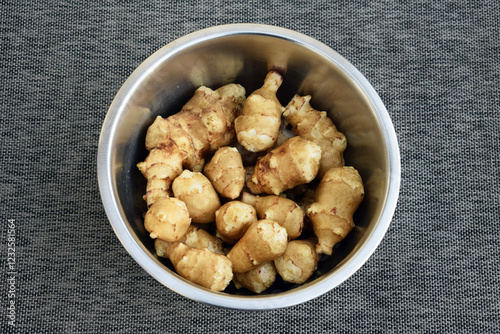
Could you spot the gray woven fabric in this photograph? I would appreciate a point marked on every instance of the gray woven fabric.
(436, 66)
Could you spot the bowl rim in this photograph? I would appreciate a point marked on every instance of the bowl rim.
(180, 285)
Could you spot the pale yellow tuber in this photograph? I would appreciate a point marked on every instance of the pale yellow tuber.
(233, 219)
(282, 210)
(184, 139)
(160, 168)
(226, 172)
(336, 199)
(201, 266)
(317, 127)
(298, 262)
(167, 219)
(264, 241)
(257, 279)
(200, 197)
(204, 124)
(195, 238)
(258, 125)
(291, 164)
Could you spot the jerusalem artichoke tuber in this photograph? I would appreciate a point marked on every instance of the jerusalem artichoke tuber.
(233, 219)
(282, 210)
(200, 197)
(291, 164)
(195, 238)
(226, 172)
(336, 199)
(258, 125)
(160, 168)
(167, 219)
(298, 262)
(204, 124)
(201, 266)
(265, 240)
(317, 127)
(258, 279)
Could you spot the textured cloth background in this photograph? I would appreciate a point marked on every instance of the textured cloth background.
(436, 66)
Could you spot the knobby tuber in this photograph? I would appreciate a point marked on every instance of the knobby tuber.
(195, 238)
(282, 210)
(298, 262)
(264, 241)
(233, 219)
(200, 197)
(201, 266)
(160, 168)
(257, 279)
(167, 219)
(226, 172)
(257, 127)
(184, 139)
(293, 163)
(336, 199)
(317, 127)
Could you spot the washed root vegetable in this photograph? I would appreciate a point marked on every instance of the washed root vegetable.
(200, 197)
(268, 158)
(184, 139)
(201, 266)
(233, 219)
(258, 125)
(336, 199)
(226, 172)
(195, 238)
(160, 168)
(293, 163)
(282, 210)
(264, 241)
(317, 127)
(298, 262)
(167, 219)
(204, 124)
(257, 279)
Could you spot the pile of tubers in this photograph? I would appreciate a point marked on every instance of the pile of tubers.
(237, 219)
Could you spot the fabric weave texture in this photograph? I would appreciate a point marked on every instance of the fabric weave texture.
(435, 64)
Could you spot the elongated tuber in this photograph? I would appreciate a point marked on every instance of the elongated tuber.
(264, 241)
(336, 199)
(317, 127)
(200, 197)
(257, 279)
(258, 125)
(201, 266)
(282, 210)
(195, 238)
(160, 168)
(167, 219)
(204, 124)
(233, 219)
(298, 262)
(226, 172)
(291, 164)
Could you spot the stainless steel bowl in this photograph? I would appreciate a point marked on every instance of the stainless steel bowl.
(243, 53)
